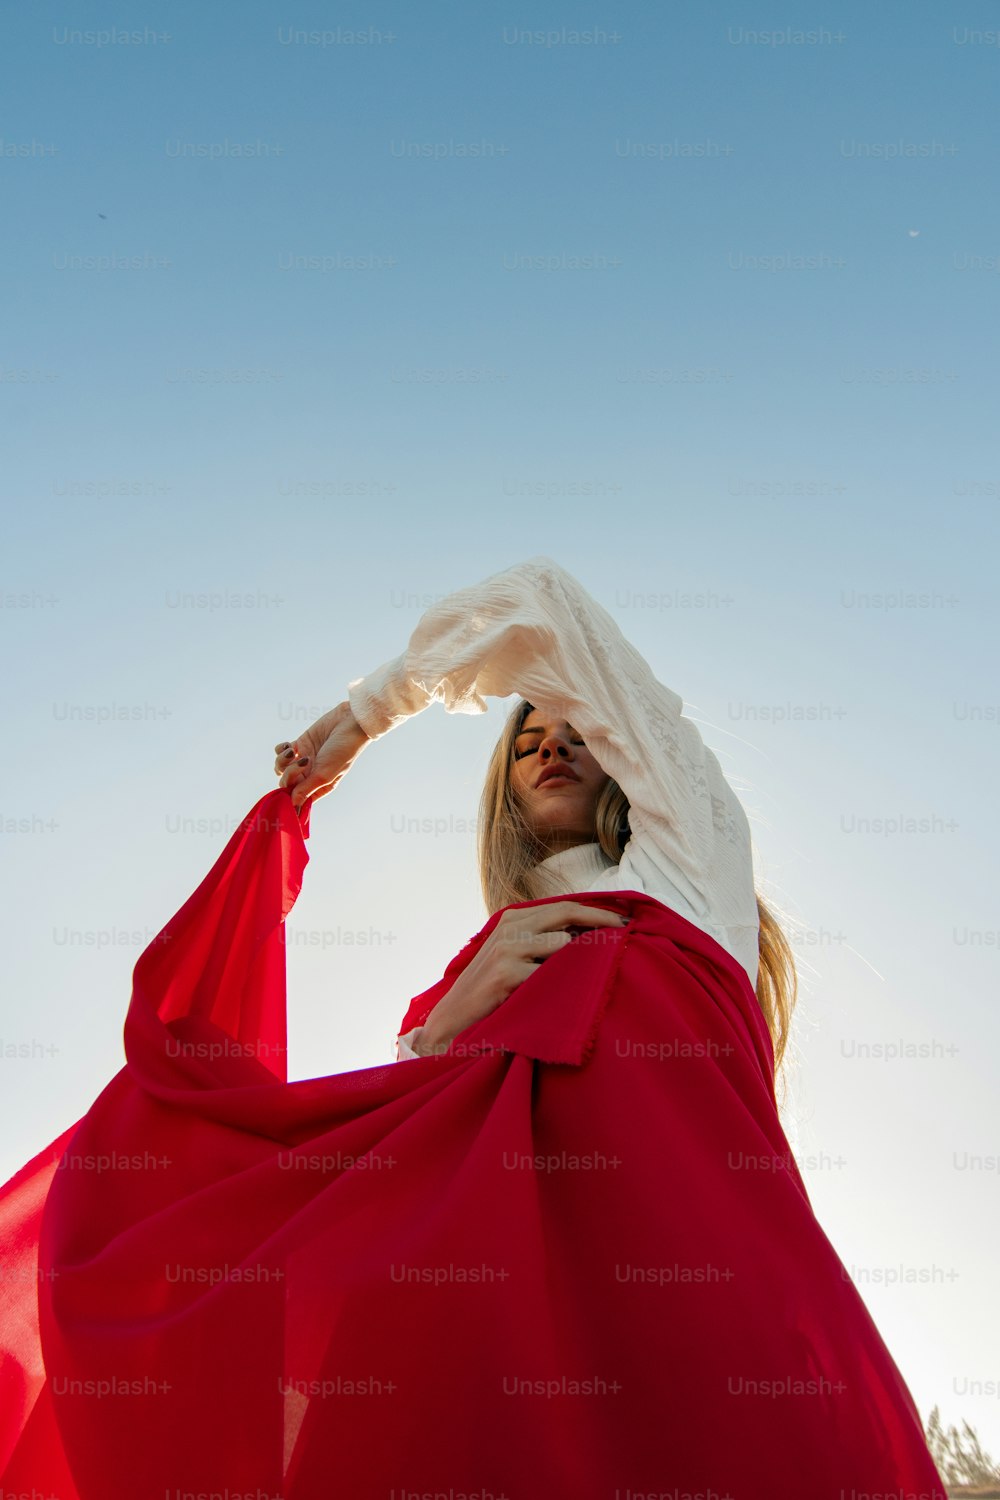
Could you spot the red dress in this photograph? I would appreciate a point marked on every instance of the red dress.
(571, 1257)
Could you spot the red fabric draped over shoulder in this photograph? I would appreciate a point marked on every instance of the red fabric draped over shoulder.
(570, 1255)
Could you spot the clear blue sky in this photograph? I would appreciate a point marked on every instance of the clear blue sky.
(342, 326)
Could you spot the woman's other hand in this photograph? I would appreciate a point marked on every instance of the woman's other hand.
(311, 765)
(523, 937)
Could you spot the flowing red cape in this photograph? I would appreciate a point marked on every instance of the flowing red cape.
(572, 1256)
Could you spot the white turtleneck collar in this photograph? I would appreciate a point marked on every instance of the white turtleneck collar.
(568, 870)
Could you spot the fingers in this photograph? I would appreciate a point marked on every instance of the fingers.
(303, 790)
(598, 916)
(305, 781)
(284, 756)
(577, 913)
(546, 942)
(295, 774)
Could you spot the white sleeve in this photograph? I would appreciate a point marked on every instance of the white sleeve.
(405, 1043)
(535, 631)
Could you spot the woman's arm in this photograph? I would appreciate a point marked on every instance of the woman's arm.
(534, 630)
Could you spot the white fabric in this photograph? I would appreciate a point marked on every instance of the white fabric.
(535, 631)
(405, 1044)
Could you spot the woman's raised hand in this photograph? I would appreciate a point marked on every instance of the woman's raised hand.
(311, 765)
(523, 937)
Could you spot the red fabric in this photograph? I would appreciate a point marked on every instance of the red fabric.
(222, 1283)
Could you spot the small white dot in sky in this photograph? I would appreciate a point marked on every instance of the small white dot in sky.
(913, 233)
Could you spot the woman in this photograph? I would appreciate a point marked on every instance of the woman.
(564, 1252)
(644, 807)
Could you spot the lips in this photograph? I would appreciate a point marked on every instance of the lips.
(551, 771)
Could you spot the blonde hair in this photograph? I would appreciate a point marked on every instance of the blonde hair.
(508, 850)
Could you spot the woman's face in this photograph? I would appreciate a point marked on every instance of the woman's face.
(559, 809)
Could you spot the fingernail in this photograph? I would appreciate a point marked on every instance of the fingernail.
(304, 761)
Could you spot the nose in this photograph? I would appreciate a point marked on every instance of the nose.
(554, 745)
